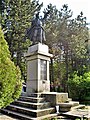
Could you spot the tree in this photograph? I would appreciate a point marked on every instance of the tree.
(51, 17)
(57, 36)
(66, 38)
(51, 25)
(79, 85)
(10, 77)
(16, 18)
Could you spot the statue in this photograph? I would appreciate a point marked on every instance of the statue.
(36, 32)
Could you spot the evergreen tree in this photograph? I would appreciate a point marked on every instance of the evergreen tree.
(10, 77)
(16, 18)
(66, 39)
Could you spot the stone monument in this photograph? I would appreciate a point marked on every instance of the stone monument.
(38, 59)
(38, 103)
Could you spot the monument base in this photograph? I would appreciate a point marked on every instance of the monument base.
(38, 59)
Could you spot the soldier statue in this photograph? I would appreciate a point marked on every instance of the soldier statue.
(36, 32)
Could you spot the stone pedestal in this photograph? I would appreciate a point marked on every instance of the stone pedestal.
(38, 59)
(55, 98)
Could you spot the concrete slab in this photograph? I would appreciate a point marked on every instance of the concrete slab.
(78, 114)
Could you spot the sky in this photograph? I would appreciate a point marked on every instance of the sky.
(75, 5)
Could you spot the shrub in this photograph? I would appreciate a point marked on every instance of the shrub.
(10, 76)
(79, 85)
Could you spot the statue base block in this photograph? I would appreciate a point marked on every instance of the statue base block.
(38, 59)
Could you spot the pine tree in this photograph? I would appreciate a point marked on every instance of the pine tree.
(66, 39)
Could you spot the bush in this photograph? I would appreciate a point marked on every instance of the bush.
(10, 76)
(79, 86)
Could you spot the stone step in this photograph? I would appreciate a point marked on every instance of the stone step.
(69, 100)
(32, 105)
(35, 94)
(65, 107)
(31, 112)
(27, 117)
(47, 117)
(32, 99)
(60, 117)
(74, 103)
(78, 107)
(16, 114)
(78, 113)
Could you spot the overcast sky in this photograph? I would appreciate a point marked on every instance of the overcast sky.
(75, 5)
